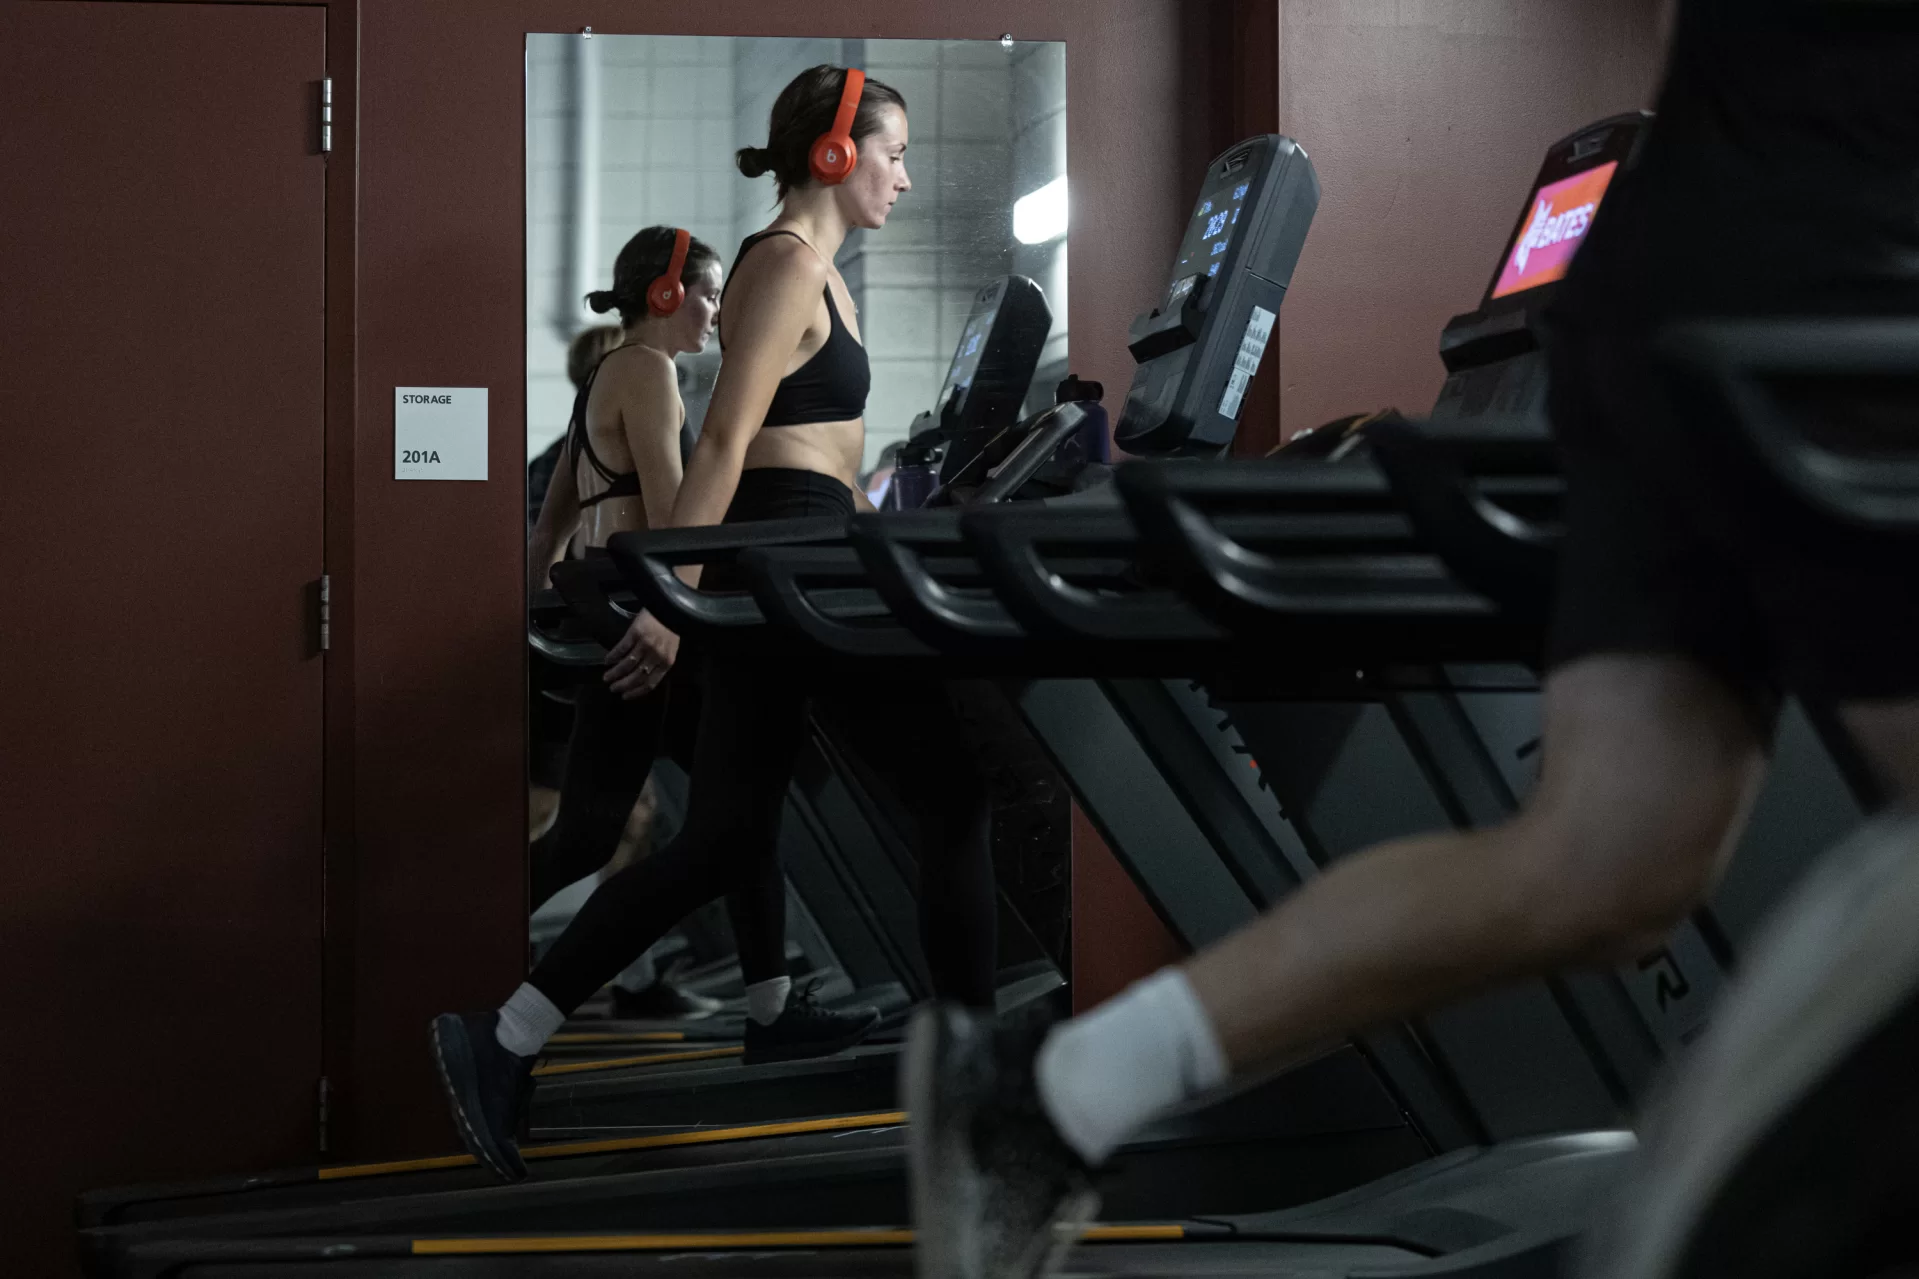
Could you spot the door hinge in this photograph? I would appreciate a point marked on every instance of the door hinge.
(325, 1111)
(326, 611)
(326, 115)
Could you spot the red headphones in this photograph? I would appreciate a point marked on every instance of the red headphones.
(834, 153)
(664, 295)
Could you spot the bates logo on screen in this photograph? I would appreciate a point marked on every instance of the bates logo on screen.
(1562, 214)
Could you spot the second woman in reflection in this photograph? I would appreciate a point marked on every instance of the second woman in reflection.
(619, 469)
(783, 437)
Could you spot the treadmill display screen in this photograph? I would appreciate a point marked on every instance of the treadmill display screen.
(1562, 212)
(966, 356)
(1211, 231)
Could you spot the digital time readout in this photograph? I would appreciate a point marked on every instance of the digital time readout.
(1211, 232)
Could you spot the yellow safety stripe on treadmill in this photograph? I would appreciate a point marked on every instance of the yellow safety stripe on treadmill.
(701, 1137)
(742, 1239)
(622, 1037)
(654, 1059)
(614, 1145)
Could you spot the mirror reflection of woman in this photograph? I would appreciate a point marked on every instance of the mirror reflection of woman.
(783, 437)
(620, 470)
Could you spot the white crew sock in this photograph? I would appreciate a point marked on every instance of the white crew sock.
(766, 1000)
(527, 1020)
(1103, 1075)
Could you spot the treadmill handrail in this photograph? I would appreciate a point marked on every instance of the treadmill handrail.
(686, 610)
(1007, 540)
(583, 584)
(776, 573)
(647, 558)
(581, 654)
(1384, 586)
(712, 543)
(977, 618)
(1730, 356)
(1487, 547)
(886, 545)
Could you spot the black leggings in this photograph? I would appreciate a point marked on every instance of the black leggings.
(608, 756)
(752, 722)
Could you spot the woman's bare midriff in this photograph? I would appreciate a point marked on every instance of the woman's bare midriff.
(830, 448)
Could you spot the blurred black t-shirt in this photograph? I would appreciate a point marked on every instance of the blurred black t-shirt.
(1781, 175)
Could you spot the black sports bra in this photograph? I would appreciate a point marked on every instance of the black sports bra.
(830, 387)
(579, 444)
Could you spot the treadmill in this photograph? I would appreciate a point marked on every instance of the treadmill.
(1314, 1132)
(1500, 1209)
(850, 871)
(1270, 184)
(658, 1110)
(1370, 749)
(1461, 1074)
(975, 417)
(1280, 771)
(1434, 1210)
(851, 912)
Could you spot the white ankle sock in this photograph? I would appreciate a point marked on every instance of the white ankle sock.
(766, 1000)
(1103, 1075)
(527, 1020)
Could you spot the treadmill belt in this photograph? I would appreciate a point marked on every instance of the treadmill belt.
(1171, 1249)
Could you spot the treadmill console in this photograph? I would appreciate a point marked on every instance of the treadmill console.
(992, 369)
(997, 353)
(1199, 348)
(1493, 360)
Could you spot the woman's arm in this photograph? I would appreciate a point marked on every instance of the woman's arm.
(650, 413)
(559, 518)
(773, 301)
(648, 392)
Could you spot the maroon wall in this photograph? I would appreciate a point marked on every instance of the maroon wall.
(1117, 939)
(1426, 124)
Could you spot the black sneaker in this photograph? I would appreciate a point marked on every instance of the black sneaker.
(663, 1000)
(487, 1087)
(997, 1193)
(807, 1028)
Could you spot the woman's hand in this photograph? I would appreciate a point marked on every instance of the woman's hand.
(642, 658)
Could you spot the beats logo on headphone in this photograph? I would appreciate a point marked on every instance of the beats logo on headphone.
(834, 153)
(664, 295)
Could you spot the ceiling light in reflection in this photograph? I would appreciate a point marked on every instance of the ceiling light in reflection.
(1041, 216)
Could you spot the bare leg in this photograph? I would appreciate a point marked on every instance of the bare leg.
(1888, 732)
(1651, 765)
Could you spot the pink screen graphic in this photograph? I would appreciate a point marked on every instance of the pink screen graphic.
(1561, 215)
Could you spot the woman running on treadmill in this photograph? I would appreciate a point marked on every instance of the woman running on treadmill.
(783, 438)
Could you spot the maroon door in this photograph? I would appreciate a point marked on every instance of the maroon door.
(161, 352)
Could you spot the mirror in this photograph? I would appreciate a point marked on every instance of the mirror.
(629, 131)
